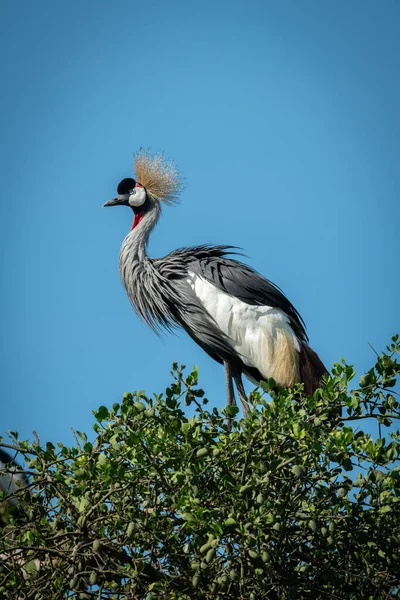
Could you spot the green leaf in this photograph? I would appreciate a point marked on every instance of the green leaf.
(210, 555)
(102, 459)
(101, 414)
(196, 580)
(298, 470)
(231, 411)
(313, 525)
(83, 504)
(188, 516)
(265, 556)
(114, 442)
(32, 567)
(202, 452)
(205, 547)
(270, 518)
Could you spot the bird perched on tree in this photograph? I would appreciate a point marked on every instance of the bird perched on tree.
(11, 479)
(240, 318)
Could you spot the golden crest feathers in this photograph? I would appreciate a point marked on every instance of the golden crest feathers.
(158, 175)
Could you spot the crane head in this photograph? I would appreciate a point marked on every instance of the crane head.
(160, 180)
(133, 194)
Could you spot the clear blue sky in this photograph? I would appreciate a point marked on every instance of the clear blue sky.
(284, 119)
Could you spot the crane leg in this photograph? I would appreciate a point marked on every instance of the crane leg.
(229, 389)
(229, 384)
(242, 394)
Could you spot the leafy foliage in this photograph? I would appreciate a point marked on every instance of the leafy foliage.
(294, 502)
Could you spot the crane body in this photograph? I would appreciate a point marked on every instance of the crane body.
(239, 318)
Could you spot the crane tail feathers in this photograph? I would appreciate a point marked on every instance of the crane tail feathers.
(311, 369)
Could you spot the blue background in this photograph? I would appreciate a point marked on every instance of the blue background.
(283, 118)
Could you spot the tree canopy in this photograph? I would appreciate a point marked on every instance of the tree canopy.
(296, 501)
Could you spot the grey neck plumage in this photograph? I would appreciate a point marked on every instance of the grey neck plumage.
(134, 246)
(141, 279)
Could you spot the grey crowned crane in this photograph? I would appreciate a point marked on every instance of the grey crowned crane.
(240, 318)
(11, 479)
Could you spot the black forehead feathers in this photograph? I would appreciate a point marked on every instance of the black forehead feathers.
(126, 185)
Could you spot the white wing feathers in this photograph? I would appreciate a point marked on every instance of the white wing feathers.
(260, 335)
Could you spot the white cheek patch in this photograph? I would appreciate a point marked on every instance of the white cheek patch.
(138, 197)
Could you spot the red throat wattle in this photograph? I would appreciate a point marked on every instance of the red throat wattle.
(136, 220)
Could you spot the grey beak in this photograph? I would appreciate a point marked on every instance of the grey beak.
(118, 201)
